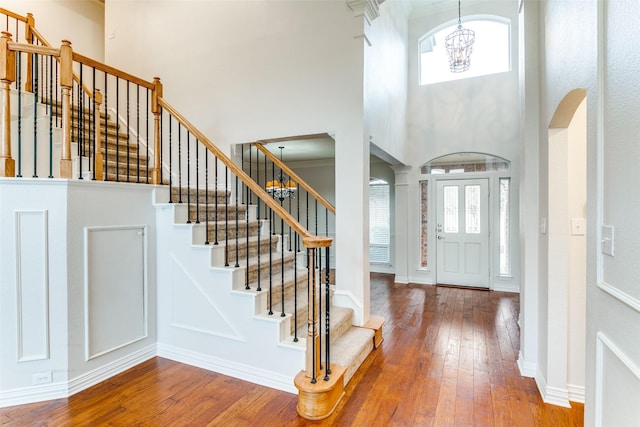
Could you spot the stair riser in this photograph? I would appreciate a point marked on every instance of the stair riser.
(264, 271)
(230, 232)
(231, 213)
(253, 251)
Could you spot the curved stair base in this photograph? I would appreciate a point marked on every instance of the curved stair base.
(318, 401)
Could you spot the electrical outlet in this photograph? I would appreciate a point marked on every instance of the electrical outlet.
(41, 378)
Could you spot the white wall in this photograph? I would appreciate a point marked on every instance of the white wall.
(81, 22)
(45, 284)
(478, 114)
(587, 45)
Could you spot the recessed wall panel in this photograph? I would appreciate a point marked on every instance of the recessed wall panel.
(115, 288)
(32, 273)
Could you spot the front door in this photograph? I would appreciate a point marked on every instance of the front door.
(462, 231)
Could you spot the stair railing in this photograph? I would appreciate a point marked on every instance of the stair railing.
(302, 201)
(198, 165)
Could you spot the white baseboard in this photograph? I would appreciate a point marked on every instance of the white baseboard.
(527, 369)
(228, 367)
(552, 395)
(111, 369)
(576, 393)
(38, 393)
(61, 390)
(404, 280)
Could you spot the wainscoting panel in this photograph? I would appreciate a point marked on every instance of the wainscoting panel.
(617, 385)
(115, 288)
(32, 273)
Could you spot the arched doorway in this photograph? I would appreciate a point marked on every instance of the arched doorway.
(566, 255)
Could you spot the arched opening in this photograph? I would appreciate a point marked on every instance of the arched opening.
(566, 255)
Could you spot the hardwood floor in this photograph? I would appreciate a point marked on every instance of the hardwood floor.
(448, 359)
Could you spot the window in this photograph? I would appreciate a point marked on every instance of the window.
(505, 257)
(424, 224)
(379, 220)
(465, 163)
(491, 51)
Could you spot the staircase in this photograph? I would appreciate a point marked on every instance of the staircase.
(287, 276)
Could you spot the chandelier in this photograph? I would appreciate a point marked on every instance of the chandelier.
(281, 187)
(459, 45)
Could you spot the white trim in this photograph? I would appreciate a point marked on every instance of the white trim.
(44, 355)
(620, 295)
(346, 299)
(576, 393)
(506, 287)
(601, 341)
(552, 395)
(228, 367)
(401, 279)
(527, 369)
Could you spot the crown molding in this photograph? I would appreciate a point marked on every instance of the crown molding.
(367, 8)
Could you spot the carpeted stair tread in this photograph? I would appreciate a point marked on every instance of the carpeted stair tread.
(351, 349)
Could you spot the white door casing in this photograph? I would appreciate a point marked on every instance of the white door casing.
(462, 232)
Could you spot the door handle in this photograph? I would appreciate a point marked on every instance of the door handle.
(440, 237)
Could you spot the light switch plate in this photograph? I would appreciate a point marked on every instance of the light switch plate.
(578, 226)
(608, 240)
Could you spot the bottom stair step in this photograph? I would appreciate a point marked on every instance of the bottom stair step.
(351, 349)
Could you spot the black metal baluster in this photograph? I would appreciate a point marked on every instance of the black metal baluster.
(35, 116)
(106, 129)
(226, 217)
(246, 217)
(206, 194)
(50, 105)
(179, 162)
(170, 162)
(270, 264)
(327, 319)
(282, 262)
(19, 81)
(318, 265)
(215, 192)
(118, 129)
(197, 182)
(128, 133)
(237, 227)
(92, 126)
(149, 141)
(295, 292)
(188, 177)
(80, 123)
(138, 137)
(259, 232)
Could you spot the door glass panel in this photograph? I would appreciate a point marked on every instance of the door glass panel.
(472, 208)
(450, 208)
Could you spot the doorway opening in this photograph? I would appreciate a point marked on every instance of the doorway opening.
(566, 240)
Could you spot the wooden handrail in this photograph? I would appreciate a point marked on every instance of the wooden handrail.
(295, 177)
(12, 15)
(85, 60)
(31, 48)
(308, 239)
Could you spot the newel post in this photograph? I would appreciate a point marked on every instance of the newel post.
(28, 35)
(99, 168)
(156, 110)
(66, 83)
(7, 76)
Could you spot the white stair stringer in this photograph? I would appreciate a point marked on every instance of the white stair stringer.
(204, 321)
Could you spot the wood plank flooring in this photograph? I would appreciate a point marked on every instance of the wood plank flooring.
(448, 359)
